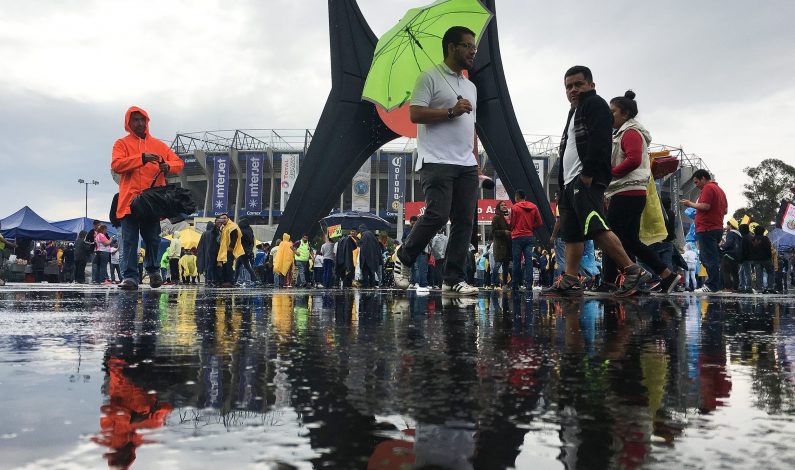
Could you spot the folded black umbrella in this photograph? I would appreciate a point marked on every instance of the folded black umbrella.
(169, 201)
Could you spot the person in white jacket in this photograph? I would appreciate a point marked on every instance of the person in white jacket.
(691, 258)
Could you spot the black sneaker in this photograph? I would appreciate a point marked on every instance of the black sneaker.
(564, 285)
(601, 289)
(631, 281)
(128, 284)
(667, 285)
(155, 280)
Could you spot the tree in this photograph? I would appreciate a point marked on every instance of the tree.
(770, 182)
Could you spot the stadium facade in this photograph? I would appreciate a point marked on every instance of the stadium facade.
(250, 173)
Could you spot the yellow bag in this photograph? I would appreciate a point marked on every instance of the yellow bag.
(652, 222)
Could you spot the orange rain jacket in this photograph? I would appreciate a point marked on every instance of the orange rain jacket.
(128, 162)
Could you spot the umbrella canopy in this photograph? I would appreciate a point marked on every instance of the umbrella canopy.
(189, 238)
(781, 239)
(414, 45)
(82, 223)
(352, 220)
(25, 223)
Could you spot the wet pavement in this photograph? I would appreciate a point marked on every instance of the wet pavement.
(201, 378)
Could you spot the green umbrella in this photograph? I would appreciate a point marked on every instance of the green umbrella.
(415, 45)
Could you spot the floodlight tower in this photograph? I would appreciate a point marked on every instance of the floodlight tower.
(82, 181)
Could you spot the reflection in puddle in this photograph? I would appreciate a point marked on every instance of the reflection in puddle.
(191, 378)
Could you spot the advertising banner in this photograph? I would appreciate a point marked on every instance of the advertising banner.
(360, 187)
(289, 176)
(396, 192)
(487, 209)
(254, 164)
(220, 182)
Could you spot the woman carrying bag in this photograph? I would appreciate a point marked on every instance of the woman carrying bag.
(627, 192)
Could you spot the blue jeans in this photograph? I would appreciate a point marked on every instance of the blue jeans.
(710, 257)
(765, 277)
(745, 275)
(104, 261)
(421, 267)
(303, 278)
(328, 273)
(519, 246)
(150, 233)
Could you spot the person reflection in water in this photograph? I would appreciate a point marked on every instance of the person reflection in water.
(129, 409)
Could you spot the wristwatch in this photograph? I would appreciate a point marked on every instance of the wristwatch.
(450, 113)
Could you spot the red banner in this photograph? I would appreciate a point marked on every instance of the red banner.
(487, 209)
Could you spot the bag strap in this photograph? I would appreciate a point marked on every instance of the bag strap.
(160, 172)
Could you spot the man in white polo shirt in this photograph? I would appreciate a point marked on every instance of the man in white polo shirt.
(443, 106)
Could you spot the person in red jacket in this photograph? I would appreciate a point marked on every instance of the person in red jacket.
(140, 159)
(525, 218)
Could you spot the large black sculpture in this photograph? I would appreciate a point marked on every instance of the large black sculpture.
(498, 129)
(350, 130)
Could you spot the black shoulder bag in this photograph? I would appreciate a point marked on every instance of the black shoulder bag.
(162, 202)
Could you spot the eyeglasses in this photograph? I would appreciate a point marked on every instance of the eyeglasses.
(471, 47)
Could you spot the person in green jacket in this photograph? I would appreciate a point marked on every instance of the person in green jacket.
(164, 265)
(302, 255)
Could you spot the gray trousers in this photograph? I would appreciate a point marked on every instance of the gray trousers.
(450, 194)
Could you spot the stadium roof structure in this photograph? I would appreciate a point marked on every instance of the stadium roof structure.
(298, 140)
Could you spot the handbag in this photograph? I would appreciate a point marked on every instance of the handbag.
(663, 164)
(166, 202)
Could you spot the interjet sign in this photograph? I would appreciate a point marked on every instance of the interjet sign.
(253, 201)
(220, 184)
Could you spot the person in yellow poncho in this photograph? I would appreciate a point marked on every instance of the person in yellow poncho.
(283, 263)
(229, 248)
(187, 267)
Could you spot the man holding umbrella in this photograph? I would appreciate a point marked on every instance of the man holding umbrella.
(443, 106)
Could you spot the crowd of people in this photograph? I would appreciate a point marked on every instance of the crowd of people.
(607, 199)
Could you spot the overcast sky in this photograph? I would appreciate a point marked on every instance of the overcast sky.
(714, 77)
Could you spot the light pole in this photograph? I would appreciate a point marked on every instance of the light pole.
(82, 181)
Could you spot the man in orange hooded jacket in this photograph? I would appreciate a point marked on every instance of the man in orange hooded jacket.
(139, 158)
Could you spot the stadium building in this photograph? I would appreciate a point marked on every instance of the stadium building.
(250, 173)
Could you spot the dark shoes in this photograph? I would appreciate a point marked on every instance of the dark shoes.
(667, 285)
(631, 281)
(155, 280)
(565, 285)
(128, 284)
(604, 288)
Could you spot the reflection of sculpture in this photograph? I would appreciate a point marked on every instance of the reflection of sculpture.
(129, 409)
(350, 130)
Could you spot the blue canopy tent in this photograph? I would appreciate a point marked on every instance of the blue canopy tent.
(25, 223)
(82, 223)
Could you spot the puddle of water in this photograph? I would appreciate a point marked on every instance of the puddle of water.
(195, 378)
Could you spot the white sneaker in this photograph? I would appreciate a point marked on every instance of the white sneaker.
(462, 288)
(703, 289)
(423, 290)
(401, 274)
